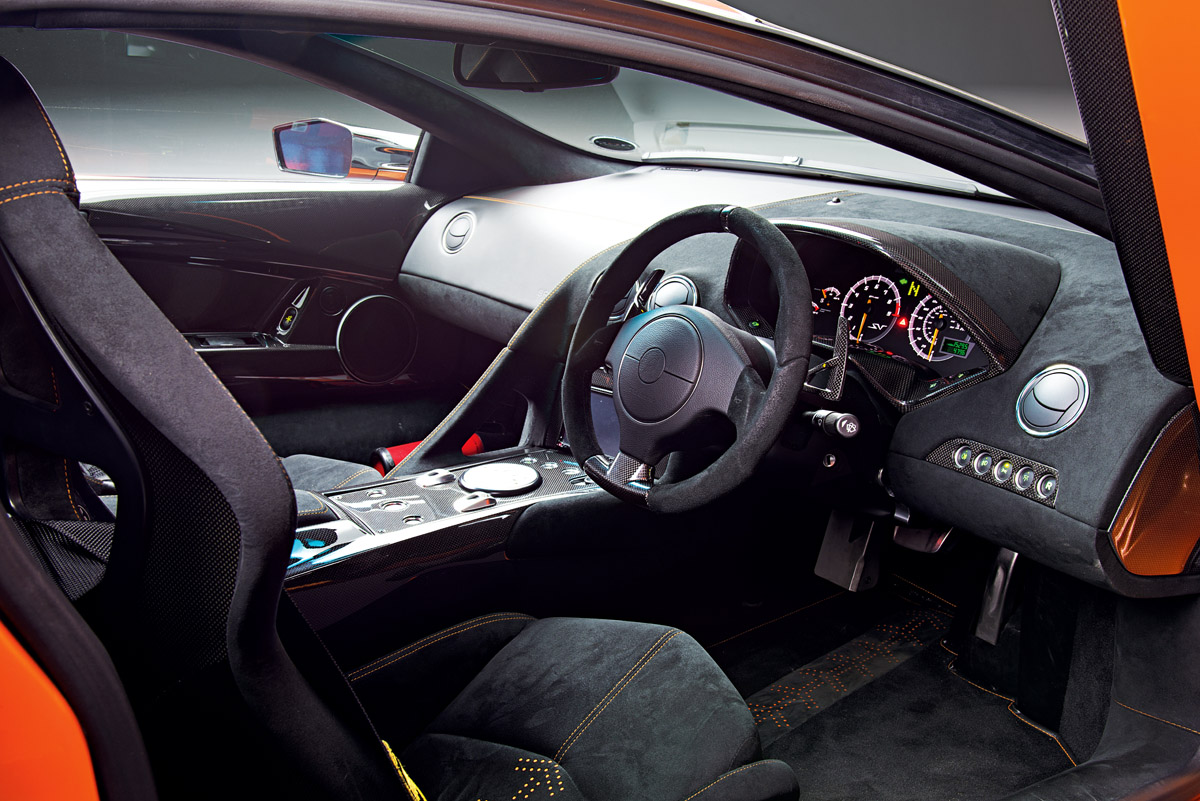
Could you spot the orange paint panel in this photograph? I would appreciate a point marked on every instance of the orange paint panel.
(1160, 39)
(1158, 526)
(43, 755)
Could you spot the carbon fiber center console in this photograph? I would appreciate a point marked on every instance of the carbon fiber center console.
(386, 518)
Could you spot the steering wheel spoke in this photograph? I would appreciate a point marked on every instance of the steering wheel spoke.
(746, 401)
(625, 477)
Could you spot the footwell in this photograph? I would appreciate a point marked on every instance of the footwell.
(807, 691)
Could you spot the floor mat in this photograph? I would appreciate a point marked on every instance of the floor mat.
(918, 732)
(803, 693)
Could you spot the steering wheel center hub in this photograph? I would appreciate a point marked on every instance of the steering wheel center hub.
(652, 365)
(659, 369)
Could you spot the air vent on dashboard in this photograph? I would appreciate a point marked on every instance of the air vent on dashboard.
(458, 231)
(675, 290)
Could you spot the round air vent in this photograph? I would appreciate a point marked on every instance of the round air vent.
(458, 231)
(675, 290)
(1052, 400)
(377, 339)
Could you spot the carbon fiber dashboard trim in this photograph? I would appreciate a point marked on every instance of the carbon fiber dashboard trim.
(943, 456)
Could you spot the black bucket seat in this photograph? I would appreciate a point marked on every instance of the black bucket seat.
(234, 694)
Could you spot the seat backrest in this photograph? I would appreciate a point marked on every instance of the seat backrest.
(189, 601)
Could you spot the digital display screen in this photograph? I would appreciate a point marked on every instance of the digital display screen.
(956, 347)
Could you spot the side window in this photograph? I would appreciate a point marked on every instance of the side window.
(131, 106)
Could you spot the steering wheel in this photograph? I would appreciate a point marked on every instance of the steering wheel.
(675, 366)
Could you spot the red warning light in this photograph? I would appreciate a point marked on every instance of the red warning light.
(902, 322)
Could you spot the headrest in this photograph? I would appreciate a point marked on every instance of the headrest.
(34, 158)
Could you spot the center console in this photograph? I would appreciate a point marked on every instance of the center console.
(408, 525)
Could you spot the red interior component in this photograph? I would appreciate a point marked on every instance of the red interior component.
(471, 447)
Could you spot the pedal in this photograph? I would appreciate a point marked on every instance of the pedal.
(921, 540)
(996, 604)
(850, 550)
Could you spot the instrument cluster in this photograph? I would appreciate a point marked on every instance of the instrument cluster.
(889, 313)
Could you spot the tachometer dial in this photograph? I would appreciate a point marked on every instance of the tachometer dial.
(871, 307)
(826, 300)
(935, 334)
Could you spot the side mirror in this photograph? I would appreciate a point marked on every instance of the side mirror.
(486, 67)
(334, 150)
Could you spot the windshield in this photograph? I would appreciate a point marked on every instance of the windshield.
(641, 117)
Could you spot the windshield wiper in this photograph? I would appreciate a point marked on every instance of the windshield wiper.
(795, 165)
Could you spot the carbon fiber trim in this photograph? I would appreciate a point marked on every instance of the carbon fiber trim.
(378, 508)
(73, 553)
(1094, 44)
(602, 379)
(618, 484)
(943, 456)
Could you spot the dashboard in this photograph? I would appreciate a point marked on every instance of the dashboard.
(952, 308)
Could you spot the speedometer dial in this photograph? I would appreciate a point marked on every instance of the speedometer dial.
(935, 334)
(871, 307)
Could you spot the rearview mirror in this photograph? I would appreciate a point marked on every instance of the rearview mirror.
(334, 150)
(486, 67)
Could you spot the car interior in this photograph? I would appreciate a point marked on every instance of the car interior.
(473, 453)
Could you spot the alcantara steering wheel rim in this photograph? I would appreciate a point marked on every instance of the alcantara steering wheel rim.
(675, 365)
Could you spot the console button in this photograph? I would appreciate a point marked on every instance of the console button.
(983, 463)
(500, 478)
(288, 320)
(963, 457)
(1024, 478)
(1047, 485)
(1003, 470)
(394, 506)
(434, 478)
(474, 502)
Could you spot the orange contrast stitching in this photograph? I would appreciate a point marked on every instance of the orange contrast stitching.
(31, 194)
(1153, 717)
(1013, 712)
(61, 153)
(54, 383)
(70, 495)
(595, 714)
(401, 655)
(615, 686)
(483, 619)
(723, 778)
(356, 475)
(26, 183)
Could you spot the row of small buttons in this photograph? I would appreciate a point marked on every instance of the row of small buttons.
(566, 471)
(1001, 470)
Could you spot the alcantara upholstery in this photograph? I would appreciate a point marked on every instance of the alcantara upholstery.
(233, 692)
